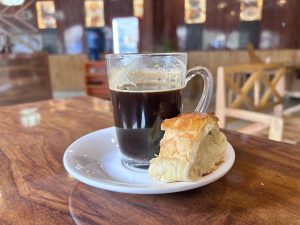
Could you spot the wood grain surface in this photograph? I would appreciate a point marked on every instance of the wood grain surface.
(263, 187)
(67, 72)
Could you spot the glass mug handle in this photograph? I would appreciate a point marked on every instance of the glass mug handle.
(207, 89)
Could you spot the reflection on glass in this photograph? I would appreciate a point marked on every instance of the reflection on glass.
(138, 8)
(46, 14)
(30, 117)
(251, 10)
(194, 11)
(94, 13)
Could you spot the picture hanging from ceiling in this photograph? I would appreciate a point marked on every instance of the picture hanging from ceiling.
(251, 10)
(194, 11)
(138, 8)
(46, 14)
(94, 13)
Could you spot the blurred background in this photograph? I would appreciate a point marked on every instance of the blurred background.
(77, 26)
(55, 49)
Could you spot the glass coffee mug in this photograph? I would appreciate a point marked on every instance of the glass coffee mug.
(145, 90)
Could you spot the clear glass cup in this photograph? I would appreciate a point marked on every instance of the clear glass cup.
(146, 89)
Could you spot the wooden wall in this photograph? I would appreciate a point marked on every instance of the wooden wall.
(213, 59)
(66, 72)
(225, 19)
(147, 28)
(73, 11)
(281, 20)
(162, 17)
(117, 8)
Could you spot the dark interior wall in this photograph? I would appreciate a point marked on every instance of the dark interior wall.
(165, 16)
(73, 11)
(162, 17)
(173, 17)
(282, 21)
(225, 19)
(147, 28)
(158, 21)
(117, 8)
(168, 15)
(296, 23)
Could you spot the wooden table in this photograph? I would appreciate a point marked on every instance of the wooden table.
(263, 187)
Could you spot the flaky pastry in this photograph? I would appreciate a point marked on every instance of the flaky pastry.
(192, 146)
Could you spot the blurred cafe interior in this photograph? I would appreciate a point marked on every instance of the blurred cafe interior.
(55, 49)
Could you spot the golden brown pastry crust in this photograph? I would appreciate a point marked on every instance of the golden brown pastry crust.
(189, 121)
(191, 147)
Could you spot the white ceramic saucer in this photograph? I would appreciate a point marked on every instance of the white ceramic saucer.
(94, 159)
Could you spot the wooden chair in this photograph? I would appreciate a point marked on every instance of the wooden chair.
(24, 78)
(95, 79)
(246, 101)
(292, 80)
(252, 55)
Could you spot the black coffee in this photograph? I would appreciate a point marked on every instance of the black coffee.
(138, 116)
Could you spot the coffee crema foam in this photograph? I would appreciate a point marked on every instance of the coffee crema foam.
(147, 87)
(145, 80)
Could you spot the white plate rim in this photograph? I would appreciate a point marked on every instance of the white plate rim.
(156, 187)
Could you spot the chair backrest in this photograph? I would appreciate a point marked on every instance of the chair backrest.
(24, 78)
(243, 90)
(95, 79)
(252, 55)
